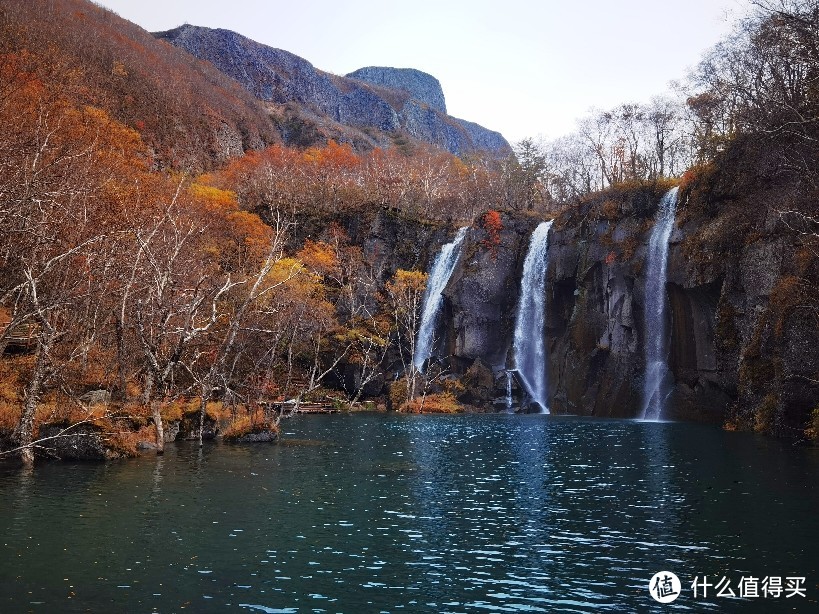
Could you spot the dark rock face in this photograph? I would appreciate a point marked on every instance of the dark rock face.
(704, 386)
(419, 85)
(595, 328)
(482, 295)
(171, 430)
(482, 138)
(85, 442)
(386, 100)
(742, 350)
(475, 329)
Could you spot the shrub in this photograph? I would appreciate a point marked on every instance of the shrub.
(492, 224)
(440, 403)
(246, 424)
(124, 441)
(398, 392)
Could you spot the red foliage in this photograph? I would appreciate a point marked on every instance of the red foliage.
(492, 225)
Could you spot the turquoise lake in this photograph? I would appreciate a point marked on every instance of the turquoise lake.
(397, 513)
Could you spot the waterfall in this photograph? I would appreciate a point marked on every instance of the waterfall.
(509, 391)
(656, 386)
(433, 298)
(529, 346)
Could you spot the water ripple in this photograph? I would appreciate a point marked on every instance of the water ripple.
(421, 513)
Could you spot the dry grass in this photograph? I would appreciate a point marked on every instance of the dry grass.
(441, 403)
(125, 441)
(610, 210)
(249, 423)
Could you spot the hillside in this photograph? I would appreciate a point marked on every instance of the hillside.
(370, 106)
(189, 114)
(195, 114)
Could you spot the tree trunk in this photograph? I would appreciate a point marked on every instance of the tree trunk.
(121, 360)
(23, 433)
(203, 405)
(156, 407)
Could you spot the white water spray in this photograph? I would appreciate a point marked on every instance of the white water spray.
(433, 298)
(509, 391)
(529, 346)
(656, 386)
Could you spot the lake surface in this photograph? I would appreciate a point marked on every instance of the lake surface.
(384, 512)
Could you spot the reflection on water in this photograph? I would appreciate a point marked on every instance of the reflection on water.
(374, 512)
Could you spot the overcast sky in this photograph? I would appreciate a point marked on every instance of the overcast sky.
(523, 67)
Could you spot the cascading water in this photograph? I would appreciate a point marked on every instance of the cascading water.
(656, 386)
(529, 346)
(508, 391)
(433, 298)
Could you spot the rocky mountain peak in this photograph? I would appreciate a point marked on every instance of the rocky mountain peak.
(374, 105)
(419, 85)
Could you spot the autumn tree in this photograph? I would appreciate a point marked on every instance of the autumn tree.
(405, 294)
(761, 83)
(61, 226)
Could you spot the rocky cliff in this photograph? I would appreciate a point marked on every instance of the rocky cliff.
(744, 340)
(418, 85)
(370, 106)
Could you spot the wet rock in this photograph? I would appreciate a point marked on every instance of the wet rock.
(479, 384)
(480, 300)
(256, 436)
(189, 427)
(170, 430)
(84, 442)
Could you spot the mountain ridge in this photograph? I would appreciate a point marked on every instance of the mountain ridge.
(387, 100)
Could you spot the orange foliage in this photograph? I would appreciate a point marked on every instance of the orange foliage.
(239, 239)
(492, 225)
(333, 156)
(319, 257)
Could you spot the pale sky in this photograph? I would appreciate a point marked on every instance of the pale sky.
(522, 67)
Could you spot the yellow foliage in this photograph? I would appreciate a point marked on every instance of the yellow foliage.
(248, 423)
(253, 233)
(173, 411)
(407, 282)
(213, 198)
(285, 270)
